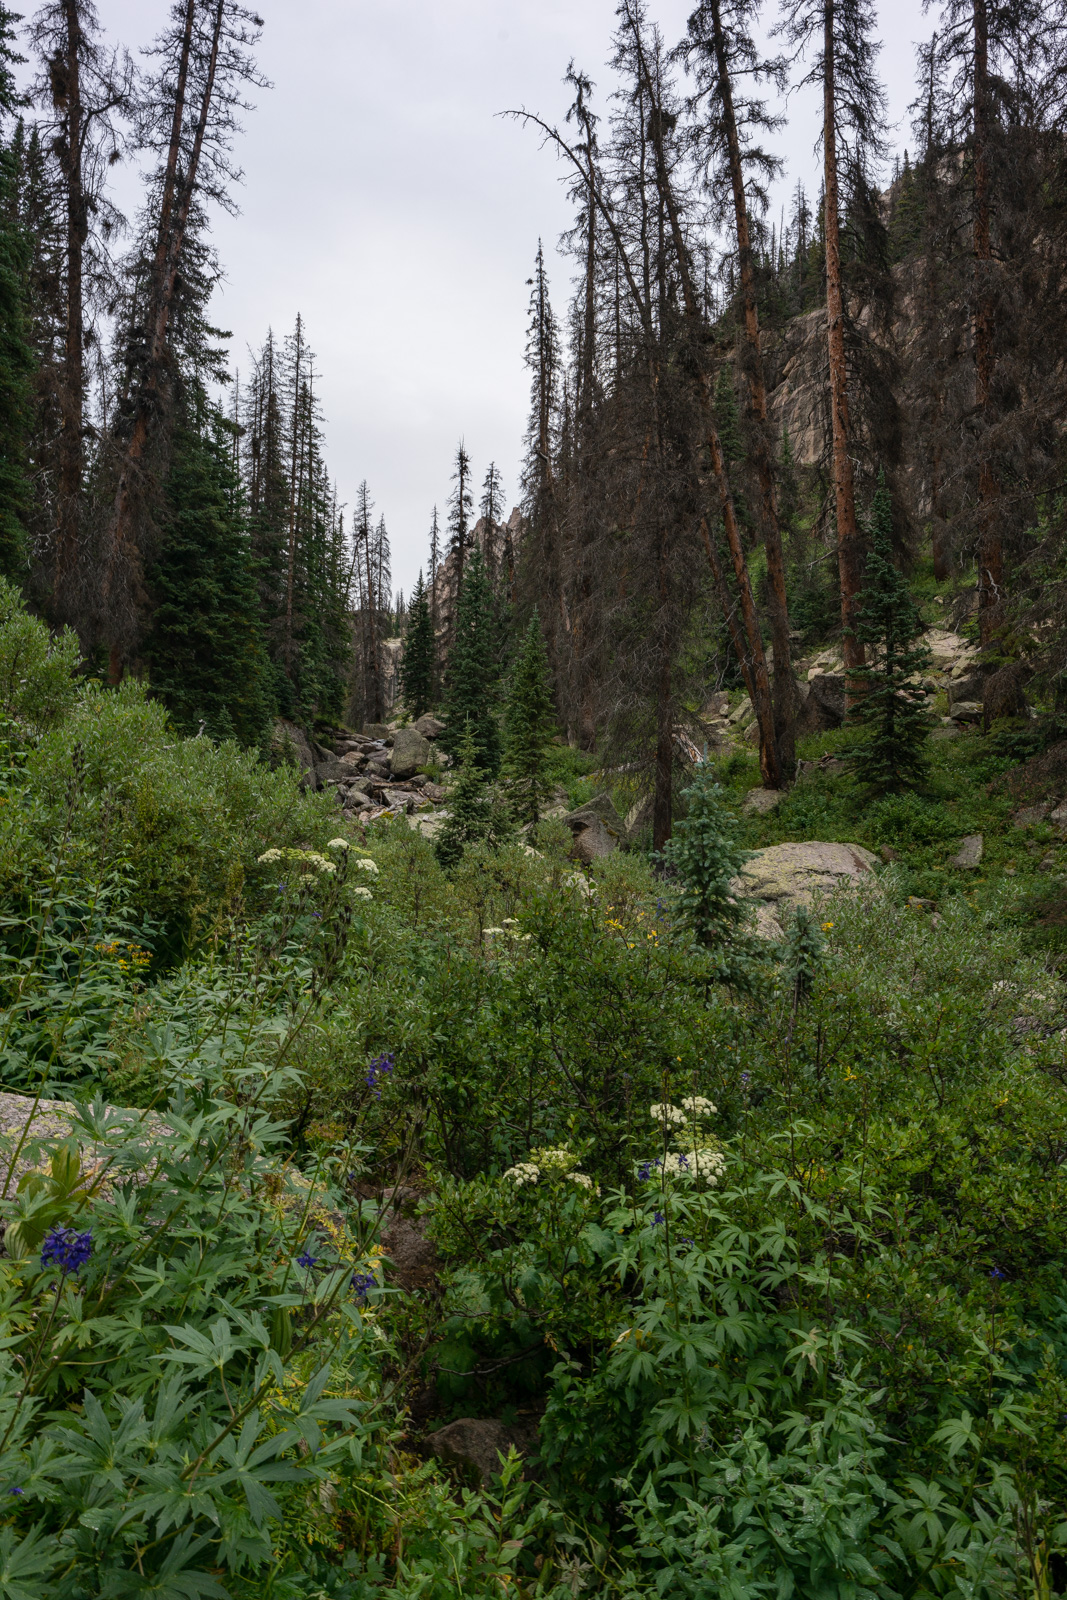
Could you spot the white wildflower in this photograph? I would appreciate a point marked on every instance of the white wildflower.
(671, 1116)
(492, 930)
(584, 1181)
(364, 894)
(525, 1172)
(509, 922)
(698, 1106)
(270, 855)
(338, 844)
(556, 1162)
(367, 865)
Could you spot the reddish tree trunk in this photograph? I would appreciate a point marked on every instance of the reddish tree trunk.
(778, 609)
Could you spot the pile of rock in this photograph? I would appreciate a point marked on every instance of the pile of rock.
(379, 772)
(954, 665)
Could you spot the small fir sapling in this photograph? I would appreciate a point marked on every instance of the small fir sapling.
(529, 725)
(474, 817)
(473, 674)
(705, 857)
(893, 711)
(417, 664)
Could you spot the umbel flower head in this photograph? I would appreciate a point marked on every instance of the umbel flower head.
(669, 1116)
(66, 1249)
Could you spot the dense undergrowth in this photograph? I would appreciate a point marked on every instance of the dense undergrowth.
(800, 1330)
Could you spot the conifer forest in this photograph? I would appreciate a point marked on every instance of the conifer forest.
(548, 1079)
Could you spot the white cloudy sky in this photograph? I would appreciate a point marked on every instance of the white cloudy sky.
(386, 200)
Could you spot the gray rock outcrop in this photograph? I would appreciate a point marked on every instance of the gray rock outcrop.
(597, 829)
(969, 853)
(411, 752)
(289, 745)
(787, 875)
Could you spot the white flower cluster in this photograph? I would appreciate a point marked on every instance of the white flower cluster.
(364, 892)
(670, 1116)
(552, 1162)
(306, 860)
(509, 930)
(556, 1163)
(584, 1181)
(525, 1172)
(703, 1159)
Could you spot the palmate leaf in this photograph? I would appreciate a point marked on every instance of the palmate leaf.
(176, 1578)
(24, 1562)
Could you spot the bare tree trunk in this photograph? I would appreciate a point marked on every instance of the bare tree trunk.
(990, 546)
(849, 565)
(72, 393)
(785, 698)
(175, 205)
(770, 766)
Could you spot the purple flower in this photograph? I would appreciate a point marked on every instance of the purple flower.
(361, 1282)
(379, 1068)
(306, 1260)
(996, 1274)
(66, 1249)
(16, 1490)
(644, 1172)
(746, 1079)
(657, 1218)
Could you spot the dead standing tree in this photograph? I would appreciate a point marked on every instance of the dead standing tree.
(720, 48)
(632, 262)
(85, 89)
(852, 121)
(187, 115)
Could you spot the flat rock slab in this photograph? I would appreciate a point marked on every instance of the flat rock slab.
(787, 875)
(51, 1123)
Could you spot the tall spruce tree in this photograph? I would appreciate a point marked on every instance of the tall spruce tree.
(892, 711)
(205, 649)
(417, 663)
(529, 725)
(473, 671)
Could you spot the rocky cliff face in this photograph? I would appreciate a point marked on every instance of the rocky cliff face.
(499, 543)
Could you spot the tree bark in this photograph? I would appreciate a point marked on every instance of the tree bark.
(849, 564)
(990, 545)
(71, 450)
(770, 765)
(175, 204)
(785, 697)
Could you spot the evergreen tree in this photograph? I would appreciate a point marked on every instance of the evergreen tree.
(474, 816)
(529, 725)
(416, 667)
(205, 649)
(706, 857)
(893, 708)
(473, 675)
(460, 507)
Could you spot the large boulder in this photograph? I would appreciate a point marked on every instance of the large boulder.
(429, 726)
(597, 829)
(411, 753)
(377, 730)
(477, 1443)
(289, 746)
(824, 703)
(787, 875)
(970, 688)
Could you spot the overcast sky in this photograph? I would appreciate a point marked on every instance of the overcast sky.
(388, 202)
